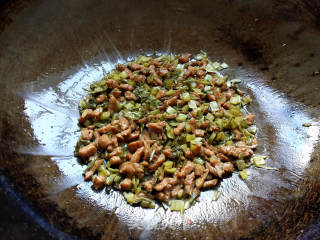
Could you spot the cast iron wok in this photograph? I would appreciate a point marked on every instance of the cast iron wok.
(50, 50)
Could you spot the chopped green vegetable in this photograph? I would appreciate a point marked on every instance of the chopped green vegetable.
(153, 127)
(177, 205)
(196, 141)
(190, 201)
(212, 137)
(168, 164)
(220, 136)
(235, 100)
(186, 97)
(190, 137)
(243, 174)
(180, 193)
(212, 67)
(104, 116)
(110, 179)
(241, 164)
(224, 65)
(129, 197)
(259, 160)
(181, 117)
(246, 100)
(154, 112)
(170, 170)
(184, 147)
(236, 80)
(216, 195)
(201, 55)
(252, 129)
(192, 104)
(143, 59)
(214, 106)
(170, 133)
(171, 110)
(198, 160)
(208, 77)
(102, 171)
(168, 83)
(123, 75)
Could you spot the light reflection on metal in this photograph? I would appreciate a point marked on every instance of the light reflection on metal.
(52, 112)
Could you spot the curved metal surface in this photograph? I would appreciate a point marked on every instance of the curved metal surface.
(52, 49)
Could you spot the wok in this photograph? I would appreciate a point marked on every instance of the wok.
(50, 50)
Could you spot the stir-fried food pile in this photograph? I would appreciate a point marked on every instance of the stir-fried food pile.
(164, 129)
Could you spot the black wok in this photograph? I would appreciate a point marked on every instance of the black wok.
(50, 50)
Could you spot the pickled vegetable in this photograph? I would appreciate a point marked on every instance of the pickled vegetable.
(164, 129)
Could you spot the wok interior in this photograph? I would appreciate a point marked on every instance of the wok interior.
(51, 50)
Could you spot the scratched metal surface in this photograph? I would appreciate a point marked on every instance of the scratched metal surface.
(52, 49)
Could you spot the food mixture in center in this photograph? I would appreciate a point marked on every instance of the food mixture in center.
(165, 129)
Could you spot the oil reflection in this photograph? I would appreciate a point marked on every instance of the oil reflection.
(288, 119)
(52, 112)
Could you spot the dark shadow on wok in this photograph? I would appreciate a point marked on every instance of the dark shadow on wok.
(50, 50)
